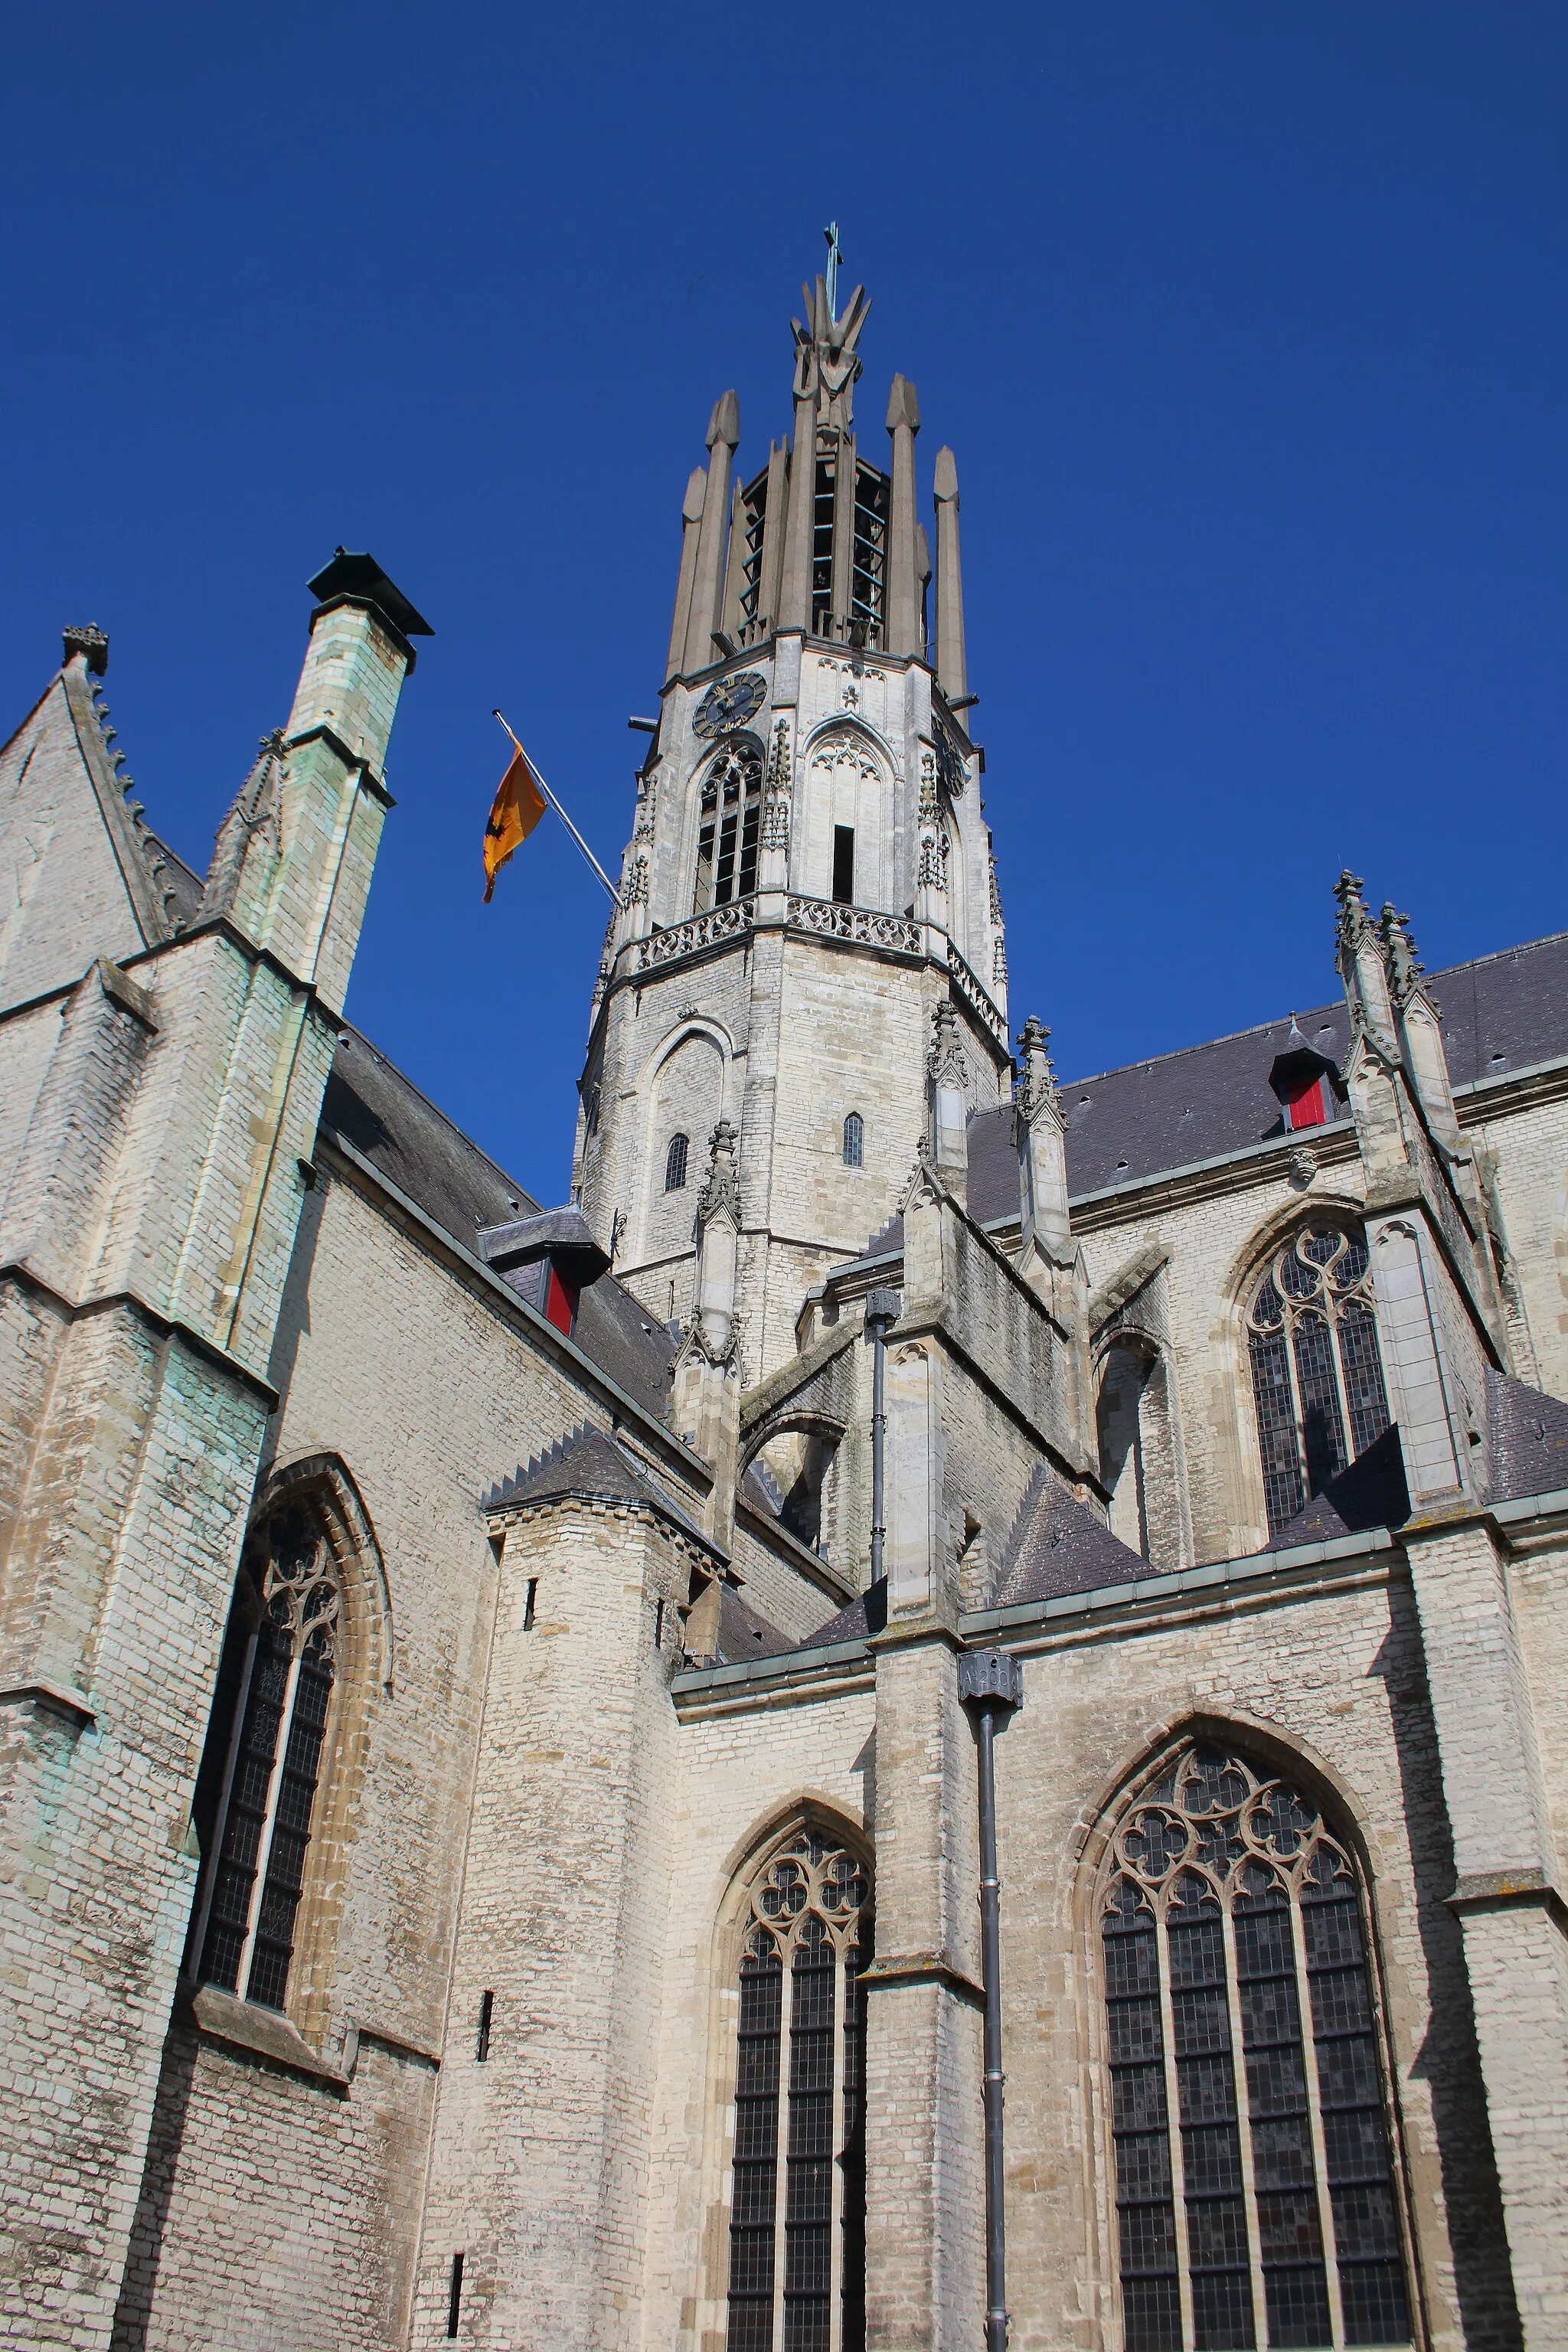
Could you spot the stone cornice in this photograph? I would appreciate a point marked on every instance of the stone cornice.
(165, 1325)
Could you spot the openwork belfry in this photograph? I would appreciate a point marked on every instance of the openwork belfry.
(264, 1754)
(1317, 1373)
(797, 2207)
(1257, 2201)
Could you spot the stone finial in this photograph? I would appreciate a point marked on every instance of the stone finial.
(1354, 923)
(724, 425)
(945, 1060)
(944, 487)
(903, 406)
(91, 643)
(1404, 966)
(1037, 1084)
(720, 1193)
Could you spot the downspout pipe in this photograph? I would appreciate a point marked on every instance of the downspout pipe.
(883, 1308)
(991, 1684)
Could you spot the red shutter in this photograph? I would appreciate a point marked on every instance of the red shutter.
(560, 1303)
(1308, 1108)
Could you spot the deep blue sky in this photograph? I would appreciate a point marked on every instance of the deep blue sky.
(1247, 323)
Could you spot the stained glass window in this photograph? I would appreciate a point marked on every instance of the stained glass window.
(675, 1163)
(260, 1780)
(854, 1139)
(798, 2185)
(1317, 1374)
(1256, 2198)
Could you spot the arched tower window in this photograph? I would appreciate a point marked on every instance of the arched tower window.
(1317, 1374)
(1256, 2195)
(731, 816)
(675, 1165)
(854, 1140)
(797, 2204)
(257, 1795)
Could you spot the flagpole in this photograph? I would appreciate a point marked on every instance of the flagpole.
(561, 813)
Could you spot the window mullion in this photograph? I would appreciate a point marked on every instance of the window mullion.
(1338, 1361)
(1173, 2132)
(780, 2143)
(835, 2146)
(1244, 2126)
(220, 1817)
(1315, 2120)
(269, 1821)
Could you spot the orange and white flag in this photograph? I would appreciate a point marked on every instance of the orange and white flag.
(517, 808)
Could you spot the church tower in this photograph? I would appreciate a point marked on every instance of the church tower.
(810, 875)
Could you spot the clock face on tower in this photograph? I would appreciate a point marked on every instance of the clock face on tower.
(731, 703)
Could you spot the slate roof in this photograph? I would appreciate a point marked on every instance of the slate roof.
(385, 1119)
(588, 1466)
(1526, 1439)
(1059, 1546)
(1370, 1493)
(744, 1634)
(1499, 1013)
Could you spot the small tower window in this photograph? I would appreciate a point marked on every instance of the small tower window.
(844, 863)
(731, 819)
(870, 564)
(824, 497)
(675, 1165)
(854, 1140)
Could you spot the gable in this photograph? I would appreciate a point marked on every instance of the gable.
(75, 877)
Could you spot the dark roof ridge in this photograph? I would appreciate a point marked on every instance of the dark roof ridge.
(350, 1029)
(1261, 1028)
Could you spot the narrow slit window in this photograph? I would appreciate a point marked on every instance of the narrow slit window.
(455, 2297)
(844, 863)
(482, 2039)
(854, 1140)
(269, 1731)
(675, 1163)
(1257, 2202)
(797, 2217)
(530, 1603)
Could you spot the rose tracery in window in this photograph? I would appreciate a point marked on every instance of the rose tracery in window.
(1256, 2198)
(264, 1754)
(1317, 1373)
(797, 2214)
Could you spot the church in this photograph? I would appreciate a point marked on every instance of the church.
(934, 1716)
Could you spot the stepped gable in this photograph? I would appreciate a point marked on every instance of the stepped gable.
(383, 1116)
(587, 1466)
(1526, 1439)
(1059, 1548)
(1370, 1492)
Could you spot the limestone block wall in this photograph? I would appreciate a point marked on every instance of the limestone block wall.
(1329, 1681)
(420, 1380)
(744, 1771)
(1531, 1147)
(63, 894)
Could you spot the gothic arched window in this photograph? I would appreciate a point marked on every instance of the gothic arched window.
(797, 2192)
(1317, 1374)
(1255, 2196)
(731, 817)
(675, 1165)
(854, 1140)
(256, 1794)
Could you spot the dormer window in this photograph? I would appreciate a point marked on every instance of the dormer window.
(1306, 1086)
